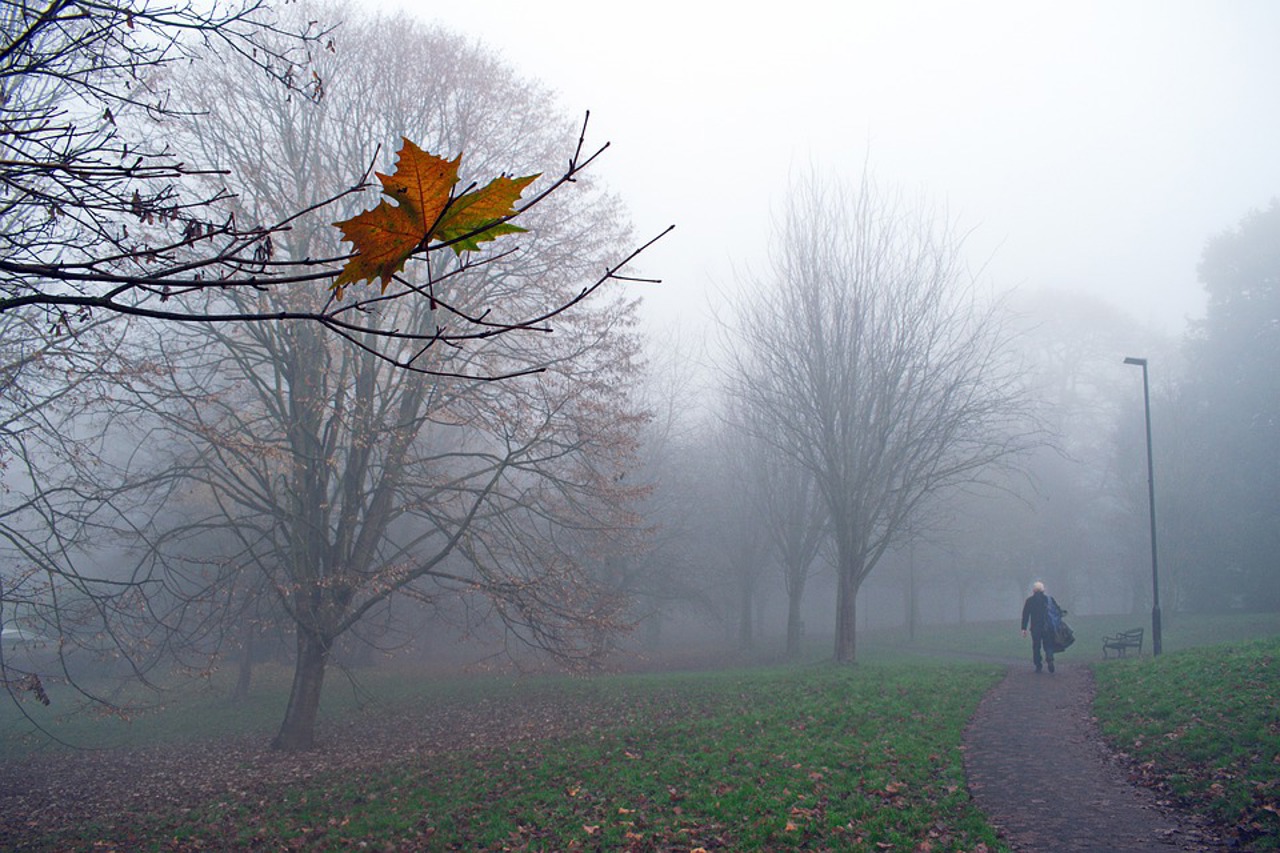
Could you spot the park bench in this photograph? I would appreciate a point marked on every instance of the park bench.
(1123, 641)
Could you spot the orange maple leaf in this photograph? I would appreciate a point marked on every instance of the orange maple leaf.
(422, 182)
(384, 238)
(425, 209)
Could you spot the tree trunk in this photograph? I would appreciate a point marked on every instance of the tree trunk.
(297, 732)
(244, 675)
(746, 639)
(846, 620)
(913, 604)
(913, 611)
(795, 627)
(653, 631)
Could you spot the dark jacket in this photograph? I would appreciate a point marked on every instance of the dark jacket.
(1035, 611)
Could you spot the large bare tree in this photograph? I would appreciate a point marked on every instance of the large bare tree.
(346, 480)
(867, 357)
(275, 458)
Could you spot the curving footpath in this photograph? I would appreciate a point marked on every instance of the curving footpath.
(1038, 767)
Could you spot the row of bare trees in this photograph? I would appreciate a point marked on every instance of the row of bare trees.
(1059, 496)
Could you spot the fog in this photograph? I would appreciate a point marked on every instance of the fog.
(1092, 147)
(346, 455)
(1090, 151)
(881, 382)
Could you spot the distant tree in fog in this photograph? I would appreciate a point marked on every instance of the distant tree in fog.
(783, 519)
(796, 521)
(866, 357)
(1232, 404)
(669, 578)
(735, 512)
(798, 525)
(1071, 516)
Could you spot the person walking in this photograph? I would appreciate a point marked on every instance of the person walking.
(1035, 613)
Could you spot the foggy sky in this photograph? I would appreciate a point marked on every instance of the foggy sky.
(1091, 146)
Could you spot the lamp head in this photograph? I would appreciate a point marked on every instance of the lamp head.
(1142, 362)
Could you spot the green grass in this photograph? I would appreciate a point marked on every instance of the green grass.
(185, 710)
(1205, 723)
(201, 709)
(811, 757)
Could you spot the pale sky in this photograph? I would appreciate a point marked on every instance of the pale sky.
(1091, 146)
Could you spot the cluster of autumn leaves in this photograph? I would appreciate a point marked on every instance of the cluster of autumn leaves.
(425, 212)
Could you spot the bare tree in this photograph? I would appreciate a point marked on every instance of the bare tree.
(773, 515)
(796, 520)
(867, 359)
(345, 480)
(1065, 516)
(52, 456)
(736, 512)
(277, 458)
(666, 576)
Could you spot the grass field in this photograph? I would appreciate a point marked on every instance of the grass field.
(774, 758)
(1204, 725)
(810, 756)
(768, 759)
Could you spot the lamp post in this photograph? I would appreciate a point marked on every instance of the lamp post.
(1151, 504)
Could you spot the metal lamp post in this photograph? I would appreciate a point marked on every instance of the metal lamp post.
(1151, 503)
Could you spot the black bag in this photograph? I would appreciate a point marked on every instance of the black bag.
(1060, 634)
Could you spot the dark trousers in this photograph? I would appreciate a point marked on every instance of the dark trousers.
(1038, 640)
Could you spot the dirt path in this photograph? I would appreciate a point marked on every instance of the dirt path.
(1085, 802)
